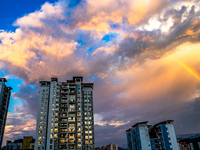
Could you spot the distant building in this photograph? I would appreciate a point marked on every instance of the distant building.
(65, 115)
(27, 143)
(185, 146)
(146, 137)
(191, 143)
(4, 102)
(15, 145)
(108, 147)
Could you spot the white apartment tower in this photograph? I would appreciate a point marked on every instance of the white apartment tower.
(65, 116)
(4, 102)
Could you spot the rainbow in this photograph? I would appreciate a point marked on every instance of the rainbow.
(189, 69)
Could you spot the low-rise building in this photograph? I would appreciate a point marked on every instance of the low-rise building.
(185, 146)
(189, 143)
(27, 143)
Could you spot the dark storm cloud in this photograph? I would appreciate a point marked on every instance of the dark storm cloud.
(29, 95)
(158, 43)
(183, 115)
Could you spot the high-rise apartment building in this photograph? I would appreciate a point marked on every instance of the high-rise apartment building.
(138, 137)
(65, 115)
(146, 137)
(163, 136)
(4, 102)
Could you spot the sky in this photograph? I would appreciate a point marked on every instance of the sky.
(141, 55)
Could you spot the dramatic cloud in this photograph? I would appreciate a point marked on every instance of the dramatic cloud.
(142, 56)
(19, 124)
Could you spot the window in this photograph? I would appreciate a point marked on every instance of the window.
(51, 141)
(79, 140)
(79, 134)
(71, 135)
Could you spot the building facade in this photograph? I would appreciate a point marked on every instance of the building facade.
(65, 116)
(163, 136)
(138, 137)
(189, 143)
(4, 102)
(28, 142)
(146, 137)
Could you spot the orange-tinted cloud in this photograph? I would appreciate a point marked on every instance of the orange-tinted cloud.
(18, 125)
(135, 73)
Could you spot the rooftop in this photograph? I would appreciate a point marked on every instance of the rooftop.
(139, 123)
(164, 122)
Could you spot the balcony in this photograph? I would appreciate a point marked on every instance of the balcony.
(63, 130)
(72, 110)
(71, 129)
(64, 97)
(63, 101)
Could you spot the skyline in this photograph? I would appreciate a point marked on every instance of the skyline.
(141, 55)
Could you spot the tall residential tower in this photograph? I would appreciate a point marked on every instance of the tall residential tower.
(4, 102)
(65, 116)
(147, 137)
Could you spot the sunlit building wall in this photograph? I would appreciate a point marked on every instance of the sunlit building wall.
(4, 102)
(65, 116)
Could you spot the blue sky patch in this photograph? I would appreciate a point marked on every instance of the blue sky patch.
(109, 37)
(11, 10)
(14, 82)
